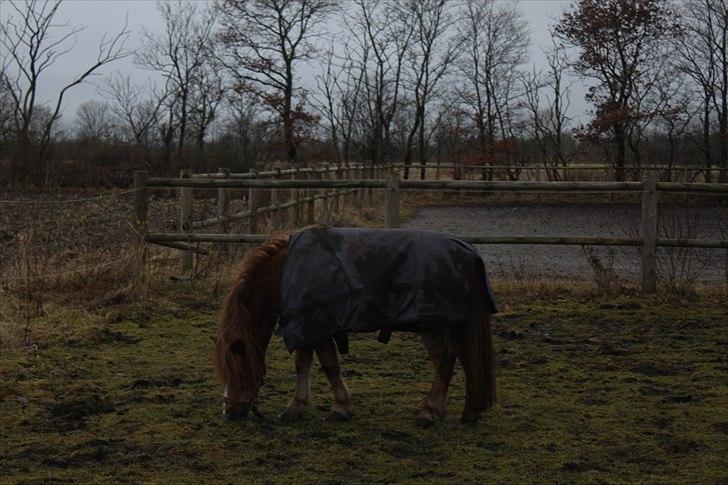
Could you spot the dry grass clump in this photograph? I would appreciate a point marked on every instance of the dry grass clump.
(32, 288)
(59, 262)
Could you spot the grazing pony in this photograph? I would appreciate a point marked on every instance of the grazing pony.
(251, 311)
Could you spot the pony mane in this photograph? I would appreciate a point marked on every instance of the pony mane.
(245, 323)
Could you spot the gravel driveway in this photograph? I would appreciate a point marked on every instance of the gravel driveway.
(586, 220)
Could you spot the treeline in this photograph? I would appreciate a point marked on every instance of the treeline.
(250, 82)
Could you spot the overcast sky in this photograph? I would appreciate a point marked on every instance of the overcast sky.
(101, 17)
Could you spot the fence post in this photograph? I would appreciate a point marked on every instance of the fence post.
(274, 203)
(252, 208)
(185, 220)
(336, 175)
(346, 176)
(371, 175)
(222, 208)
(462, 179)
(391, 218)
(649, 234)
(140, 200)
(295, 195)
(359, 175)
(311, 202)
(323, 191)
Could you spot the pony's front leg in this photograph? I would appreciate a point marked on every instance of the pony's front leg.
(301, 399)
(442, 356)
(341, 407)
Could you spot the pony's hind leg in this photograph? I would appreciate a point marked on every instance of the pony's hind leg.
(301, 399)
(442, 356)
(341, 407)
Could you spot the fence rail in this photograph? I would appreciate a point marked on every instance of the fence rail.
(488, 186)
(446, 166)
(264, 183)
(166, 237)
(346, 184)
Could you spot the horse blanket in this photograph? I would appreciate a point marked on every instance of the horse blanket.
(341, 280)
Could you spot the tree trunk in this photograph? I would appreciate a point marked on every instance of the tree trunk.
(287, 115)
(423, 168)
(182, 122)
(723, 121)
(409, 146)
(288, 137)
(482, 145)
(201, 140)
(621, 155)
(706, 140)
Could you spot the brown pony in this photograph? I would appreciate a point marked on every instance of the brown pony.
(248, 319)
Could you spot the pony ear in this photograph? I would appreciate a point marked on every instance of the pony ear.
(237, 347)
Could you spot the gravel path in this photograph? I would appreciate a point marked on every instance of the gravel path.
(588, 220)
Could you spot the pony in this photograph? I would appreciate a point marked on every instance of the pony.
(247, 323)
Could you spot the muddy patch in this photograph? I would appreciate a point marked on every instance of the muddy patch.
(71, 412)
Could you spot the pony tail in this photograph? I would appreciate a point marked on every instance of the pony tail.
(477, 354)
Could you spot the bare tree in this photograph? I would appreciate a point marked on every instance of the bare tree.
(547, 99)
(673, 115)
(244, 130)
(265, 40)
(206, 99)
(94, 121)
(179, 52)
(337, 98)
(32, 42)
(381, 40)
(429, 58)
(139, 108)
(7, 112)
(702, 57)
(495, 45)
(720, 95)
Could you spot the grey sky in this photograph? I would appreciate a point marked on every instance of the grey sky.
(108, 16)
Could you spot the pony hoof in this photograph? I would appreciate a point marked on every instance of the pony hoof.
(424, 421)
(338, 416)
(292, 414)
(469, 417)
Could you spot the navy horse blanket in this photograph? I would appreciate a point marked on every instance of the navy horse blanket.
(341, 280)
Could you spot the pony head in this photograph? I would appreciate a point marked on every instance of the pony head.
(246, 325)
(240, 365)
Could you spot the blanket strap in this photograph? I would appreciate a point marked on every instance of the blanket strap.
(386, 332)
(384, 335)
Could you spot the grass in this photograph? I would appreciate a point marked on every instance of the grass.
(592, 389)
(110, 386)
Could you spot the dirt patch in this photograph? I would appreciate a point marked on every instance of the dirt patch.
(71, 411)
(579, 220)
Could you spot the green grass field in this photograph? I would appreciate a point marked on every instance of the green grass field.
(591, 390)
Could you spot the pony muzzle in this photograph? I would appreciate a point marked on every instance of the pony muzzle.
(237, 413)
(240, 411)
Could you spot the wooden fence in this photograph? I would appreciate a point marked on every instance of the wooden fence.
(348, 182)
(462, 171)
